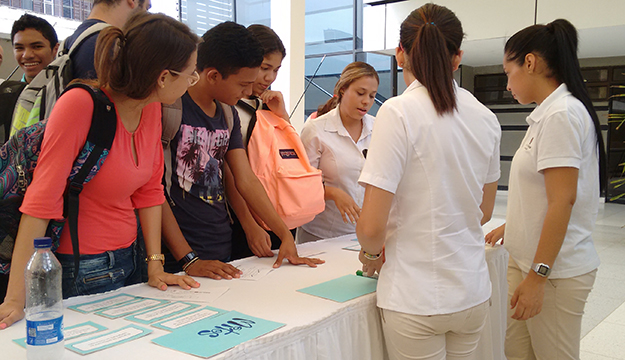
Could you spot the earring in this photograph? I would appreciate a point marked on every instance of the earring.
(162, 86)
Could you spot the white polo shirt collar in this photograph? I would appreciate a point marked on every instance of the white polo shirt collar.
(334, 124)
(541, 111)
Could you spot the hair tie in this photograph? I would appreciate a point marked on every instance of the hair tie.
(432, 23)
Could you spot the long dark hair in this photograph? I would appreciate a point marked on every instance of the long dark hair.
(556, 43)
(129, 60)
(351, 73)
(269, 40)
(430, 36)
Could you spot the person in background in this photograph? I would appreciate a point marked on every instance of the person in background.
(35, 44)
(248, 237)
(113, 12)
(337, 142)
(431, 178)
(196, 227)
(553, 196)
(148, 62)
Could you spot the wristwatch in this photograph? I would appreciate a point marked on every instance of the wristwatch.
(187, 259)
(154, 257)
(541, 269)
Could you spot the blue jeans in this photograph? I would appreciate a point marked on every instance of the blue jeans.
(101, 272)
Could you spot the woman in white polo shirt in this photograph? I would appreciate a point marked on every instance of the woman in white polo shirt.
(337, 142)
(553, 195)
(431, 178)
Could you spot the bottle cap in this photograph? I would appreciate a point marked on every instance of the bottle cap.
(43, 242)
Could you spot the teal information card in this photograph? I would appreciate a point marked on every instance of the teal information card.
(110, 339)
(343, 289)
(216, 334)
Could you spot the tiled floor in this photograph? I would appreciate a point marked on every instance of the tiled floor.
(603, 324)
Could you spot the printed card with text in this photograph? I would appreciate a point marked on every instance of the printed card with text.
(130, 308)
(102, 303)
(107, 340)
(161, 312)
(217, 334)
(188, 318)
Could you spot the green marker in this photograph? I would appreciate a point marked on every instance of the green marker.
(360, 273)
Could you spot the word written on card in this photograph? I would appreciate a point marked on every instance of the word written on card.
(233, 326)
(217, 334)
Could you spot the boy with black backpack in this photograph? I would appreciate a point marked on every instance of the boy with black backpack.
(204, 148)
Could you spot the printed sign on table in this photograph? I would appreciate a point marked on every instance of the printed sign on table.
(217, 334)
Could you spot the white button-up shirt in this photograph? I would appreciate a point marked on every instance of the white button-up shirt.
(561, 134)
(331, 149)
(436, 167)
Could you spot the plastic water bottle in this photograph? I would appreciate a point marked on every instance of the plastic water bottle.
(44, 304)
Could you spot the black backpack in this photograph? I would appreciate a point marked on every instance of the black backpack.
(18, 159)
(10, 91)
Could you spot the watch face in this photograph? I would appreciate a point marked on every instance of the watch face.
(543, 270)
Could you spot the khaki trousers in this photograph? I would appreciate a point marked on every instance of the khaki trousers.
(436, 337)
(554, 334)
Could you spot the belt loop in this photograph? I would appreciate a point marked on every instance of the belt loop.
(111, 259)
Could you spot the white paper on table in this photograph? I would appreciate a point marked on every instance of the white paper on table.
(307, 252)
(251, 272)
(201, 295)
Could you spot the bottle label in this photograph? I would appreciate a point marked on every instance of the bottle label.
(44, 332)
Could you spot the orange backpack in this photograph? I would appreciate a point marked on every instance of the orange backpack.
(278, 158)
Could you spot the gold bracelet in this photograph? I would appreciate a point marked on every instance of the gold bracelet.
(187, 265)
(153, 257)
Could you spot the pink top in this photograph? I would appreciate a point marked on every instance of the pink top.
(106, 219)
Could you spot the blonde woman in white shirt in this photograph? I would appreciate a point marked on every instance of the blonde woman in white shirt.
(431, 178)
(553, 195)
(337, 142)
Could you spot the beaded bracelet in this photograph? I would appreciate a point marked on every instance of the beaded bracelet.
(371, 256)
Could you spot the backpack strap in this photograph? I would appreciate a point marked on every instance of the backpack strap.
(171, 118)
(99, 141)
(252, 111)
(228, 114)
(91, 30)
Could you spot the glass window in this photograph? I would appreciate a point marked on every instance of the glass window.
(322, 86)
(68, 9)
(202, 15)
(329, 26)
(250, 12)
(27, 4)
